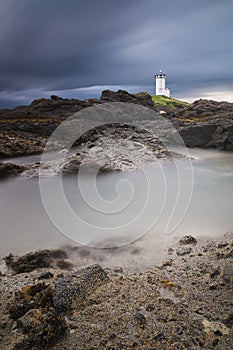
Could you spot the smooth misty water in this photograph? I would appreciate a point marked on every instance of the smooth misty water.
(125, 202)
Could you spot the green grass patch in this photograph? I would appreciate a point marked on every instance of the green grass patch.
(167, 101)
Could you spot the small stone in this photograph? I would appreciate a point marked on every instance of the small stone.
(183, 251)
(118, 270)
(3, 324)
(222, 245)
(214, 327)
(166, 263)
(218, 333)
(158, 336)
(73, 325)
(188, 240)
(215, 273)
(140, 317)
(45, 275)
(170, 251)
(150, 307)
(213, 286)
(229, 320)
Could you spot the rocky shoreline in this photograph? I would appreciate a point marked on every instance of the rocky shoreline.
(185, 302)
(25, 130)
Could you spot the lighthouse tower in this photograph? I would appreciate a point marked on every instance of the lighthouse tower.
(161, 85)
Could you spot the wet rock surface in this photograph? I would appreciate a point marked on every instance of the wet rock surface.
(26, 129)
(9, 169)
(206, 124)
(186, 304)
(115, 148)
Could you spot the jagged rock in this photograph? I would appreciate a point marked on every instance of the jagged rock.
(35, 260)
(187, 240)
(150, 307)
(29, 320)
(73, 291)
(45, 276)
(142, 98)
(55, 97)
(183, 251)
(206, 109)
(140, 318)
(206, 123)
(25, 129)
(30, 297)
(43, 328)
(229, 320)
(38, 321)
(10, 169)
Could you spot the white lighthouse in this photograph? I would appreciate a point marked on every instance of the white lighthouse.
(161, 85)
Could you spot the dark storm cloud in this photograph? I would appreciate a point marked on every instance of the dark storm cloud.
(59, 45)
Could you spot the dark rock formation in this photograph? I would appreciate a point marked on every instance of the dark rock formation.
(142, 98)
(40, 325)
(187, 240)
(7, 169)
(25, 129)
(43, 328)
(30, 297)
(32, 261)
(207, 124)
(206, 109)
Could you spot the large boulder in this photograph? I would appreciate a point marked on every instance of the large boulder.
(207, 124)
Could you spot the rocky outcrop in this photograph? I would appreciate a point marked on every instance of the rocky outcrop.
(142, 98)
(9, 169)
(56, 108)
(16, 143)
(206, 109)
(216, 133)
(114, 148)
(206, 124)
(25, 129)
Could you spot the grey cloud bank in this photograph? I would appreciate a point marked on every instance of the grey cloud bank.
(78, 48)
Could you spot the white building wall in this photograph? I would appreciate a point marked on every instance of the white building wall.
(161, 85)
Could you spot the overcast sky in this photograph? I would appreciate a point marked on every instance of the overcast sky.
(77, 48)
